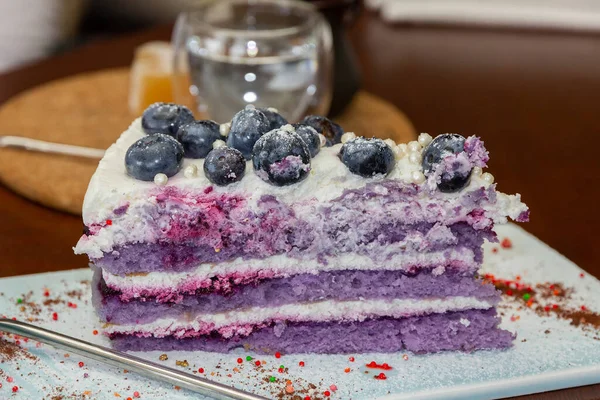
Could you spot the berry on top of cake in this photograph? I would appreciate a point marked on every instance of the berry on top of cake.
(276, 237)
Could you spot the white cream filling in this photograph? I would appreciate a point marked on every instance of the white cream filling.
(281, 265)
(241, 321)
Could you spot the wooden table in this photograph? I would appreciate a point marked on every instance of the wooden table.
(533, 96)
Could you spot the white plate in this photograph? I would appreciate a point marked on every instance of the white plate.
(567, 356)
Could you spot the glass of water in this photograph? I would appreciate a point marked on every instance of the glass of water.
(268, 53)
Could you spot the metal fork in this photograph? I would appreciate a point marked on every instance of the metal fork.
(49, 147)
(126, 361)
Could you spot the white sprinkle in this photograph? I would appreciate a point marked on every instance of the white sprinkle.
(219, 143)
(272, 109)
(488, 178)
(399, 152)
(439, 270)
(191, 171)
(465, 322)
(414, 146)
(477, 171)
(288, 128)
(161, 179)
(348, 136)
(225, 128)
(424, 139)
(417, 177)
(250, 107)
(403, 147)
(415, 157)
(390, 143)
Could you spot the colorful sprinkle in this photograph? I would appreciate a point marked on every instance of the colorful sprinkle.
(554, 306)
(109, 222)
(547, 308)
(239, 361)
(183, 363)
(381, 377)
(201, 370)
(327, 393)
(272, 379)
(333, 388)
(86, 375)
(95, 332)
(248, 358)
(55, 316)
(495, 250)
(163, 357)
(9, 379)
(301, 363)
(583, 308)
(383, 366)
(405, 357)
(15, 389)
(257, 363)
(506, 243)
(581, 275)
(509, 292)
(351, 359)
(19, 301)
(136, 395)
(129, 398)
(526, 296)
(289, 389)
(46, 293)
(307, 398)
(81, 364)
(278, 355)
(347, 370)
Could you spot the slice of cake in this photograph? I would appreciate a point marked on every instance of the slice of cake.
(278, 237)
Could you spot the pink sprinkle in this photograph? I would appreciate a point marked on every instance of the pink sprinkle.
(136, 395)
(9, 379)
(333, 388)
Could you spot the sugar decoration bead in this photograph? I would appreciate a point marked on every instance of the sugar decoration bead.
(348, 136)
(414, 146)
(225, 128)
(219, 143)
(250, 107)
(477, 171)
(424, 139)
(272, 109)
(390, 143)
(415, 157)
(323, 140)
(161, 179)
(418, 177)
(487, 178)
(191, 171)
(399, 152)
(288, 128)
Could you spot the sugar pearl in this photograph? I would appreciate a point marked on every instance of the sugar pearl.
(191, 171)
(250, 107)
(414, 157)
(424, 139)
(348, 136)
(219, 143)
(414, 146)
(224, 128)
(477, 171)
(323, 140)
(403, 147)
(398, 152)
(487, 178)
(161, 179)
(418, 177)
(272, 109)
(288, 128)
(390, 143)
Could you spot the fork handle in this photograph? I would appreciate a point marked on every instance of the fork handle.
(49, 147)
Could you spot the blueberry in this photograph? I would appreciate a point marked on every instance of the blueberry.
(442, 146)
(247, 126)
(367, 157)
(154, 154)
(332, 131)
(224, 165)
(310, 137)
(197, 138)
(276, 120)
(165, 118)
(281, 157)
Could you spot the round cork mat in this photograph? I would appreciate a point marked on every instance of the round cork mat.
(91, 110)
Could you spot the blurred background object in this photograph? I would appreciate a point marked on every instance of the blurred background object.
(545, 14)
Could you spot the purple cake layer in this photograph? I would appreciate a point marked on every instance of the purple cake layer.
(179, 257)
(431, 333)
(339, 285)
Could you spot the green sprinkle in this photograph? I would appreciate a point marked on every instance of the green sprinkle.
(272, 379)
(281, 367)
(19, 301)
(526, 296)
(248, 358)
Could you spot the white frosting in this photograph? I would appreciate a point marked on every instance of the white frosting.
(279, 265)
(329, 310)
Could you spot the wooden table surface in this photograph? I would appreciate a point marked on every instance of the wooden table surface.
(533, 96)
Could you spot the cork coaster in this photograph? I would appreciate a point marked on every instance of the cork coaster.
(91, 110)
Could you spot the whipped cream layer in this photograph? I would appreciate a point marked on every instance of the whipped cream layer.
(244, 322)
(330, 207)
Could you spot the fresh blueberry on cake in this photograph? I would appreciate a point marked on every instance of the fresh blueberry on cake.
(197, 137)
(224, 165)
(363, 246)
(310, 136)
(247, 126)
(165, 118)
(153, 154)
(332, 131)
(276, 120)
